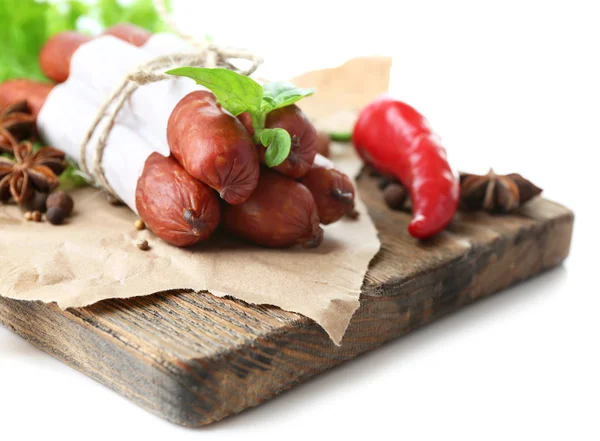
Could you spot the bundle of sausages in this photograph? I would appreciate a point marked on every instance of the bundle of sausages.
(212, 156)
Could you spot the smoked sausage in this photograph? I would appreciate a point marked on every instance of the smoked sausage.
(55, 56)
(332, 190)
(213, 146)
(174, 206)
(323, 144)
(280, 213)
(130, 33)
(33, 92)
(302, 132)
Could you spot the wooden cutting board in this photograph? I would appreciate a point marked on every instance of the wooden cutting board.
(193, 358)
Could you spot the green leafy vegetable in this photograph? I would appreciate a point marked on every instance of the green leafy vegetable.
(138, 12)
(236, 93)
(239, 93)
(280, 94)
(278, 144)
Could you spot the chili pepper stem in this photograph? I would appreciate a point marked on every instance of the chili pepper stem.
(340, 136)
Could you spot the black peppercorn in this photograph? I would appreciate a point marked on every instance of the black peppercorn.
(395, 196)
(55, 215)
(384, 182)
(61, 200)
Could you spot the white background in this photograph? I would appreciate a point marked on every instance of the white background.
(514, 85)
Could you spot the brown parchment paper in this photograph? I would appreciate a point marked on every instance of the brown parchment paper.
(94, 256)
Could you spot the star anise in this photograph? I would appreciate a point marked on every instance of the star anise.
(496, 193)
(30, 171)
(16, 124)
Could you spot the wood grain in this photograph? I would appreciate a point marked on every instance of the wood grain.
(194, 359)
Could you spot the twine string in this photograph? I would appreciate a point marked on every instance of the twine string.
(205, 54)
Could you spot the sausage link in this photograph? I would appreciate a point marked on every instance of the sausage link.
(280, 213)
(33, 92)
(55, 56)
(332, 190)
(304, 139)
(174, 206)
(130, 33)
(323, 144)
(213, 146)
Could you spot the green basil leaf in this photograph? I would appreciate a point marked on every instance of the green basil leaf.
(278, 143)
(281, 94)
(236, 93)
(266, 137)
(268, 103)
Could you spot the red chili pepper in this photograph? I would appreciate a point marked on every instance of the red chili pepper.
(396, 140)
